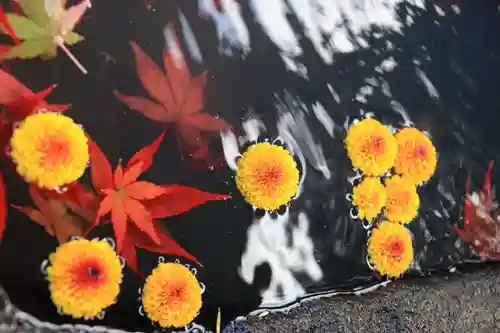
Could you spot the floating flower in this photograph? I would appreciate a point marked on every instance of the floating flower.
(390, 249)
(371, 147)
(416, 157)
(267, 176)
(84, 277)
(402, 200)
(369, 197)
(171, 295)
(49, 150)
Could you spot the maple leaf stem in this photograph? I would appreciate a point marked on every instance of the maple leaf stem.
(70, 55)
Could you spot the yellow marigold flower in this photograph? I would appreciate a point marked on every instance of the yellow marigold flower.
(171, 295)
(49, 150)
(84, 277)
(369, 197)
(267, 176)
(371, 147)
(390, 249)
(402, 200)
(417, 158)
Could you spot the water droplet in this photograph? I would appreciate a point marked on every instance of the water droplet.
(59, 310)
(139, 291)
(348, 197)
(141, 311)
(366, 225)
(194, 271)
(202, 286)
(177, 261)
(161, 260)
(101, 315)
(369, 264)
(43, 267)
(187, 266)
(75, 238)
(61, 189)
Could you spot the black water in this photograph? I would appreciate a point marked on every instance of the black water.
(459, 53)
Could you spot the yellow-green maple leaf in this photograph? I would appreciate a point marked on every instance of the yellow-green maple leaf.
(46, 26)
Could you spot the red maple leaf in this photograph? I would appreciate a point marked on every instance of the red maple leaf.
(3, 206)
(141, 203)
(19, 102)
(481, 219)
(178, 98)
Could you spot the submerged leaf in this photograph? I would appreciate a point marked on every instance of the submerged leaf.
(3, 206)
(54, 216)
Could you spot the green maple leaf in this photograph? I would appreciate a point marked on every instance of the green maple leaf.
(48, 25)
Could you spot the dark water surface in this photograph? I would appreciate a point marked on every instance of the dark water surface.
(440, 70)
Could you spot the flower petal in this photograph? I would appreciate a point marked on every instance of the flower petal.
(144, 190)
(141, 217)
(179, 199)
(102, 175)
(145, 155)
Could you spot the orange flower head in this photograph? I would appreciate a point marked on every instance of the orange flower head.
(402, 200)
(49, 149)
(171, 295)
(369, 197)
(371, 147)
(267, 176)
(417, 157)
(390, 249)
(84, 277)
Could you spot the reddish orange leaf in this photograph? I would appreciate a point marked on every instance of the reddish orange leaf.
(3, 206)
(102, 176)
(145, 155)
(176, 69)
(141, 217)
(179, 199)
(119, 219)
(131, 174)
(168, 246)
(144, 190)
(118, 176)
(54, 216)
(129, 254)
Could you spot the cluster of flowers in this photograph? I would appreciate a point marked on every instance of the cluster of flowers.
(85, 276)
(393, 165)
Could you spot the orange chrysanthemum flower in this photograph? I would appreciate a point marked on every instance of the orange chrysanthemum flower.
(369, 197)
(417, 158)
(402, 200)
(390, 249)
(171, 295)
(84, 277)
(371, 147)
(49, 149)
(267, 176)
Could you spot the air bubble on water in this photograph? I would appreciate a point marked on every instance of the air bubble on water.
(75, 238)
(194, 271)
(7, 151)
(177, 261)
(101, 315)
(59, 310)
(211, 168)
(348, 197)
(370, 266)
(202, 286)
(122, 261)
(366, 225)
(161, 260)
(352, 214)
(43, 267)
(111, 242)
(187, 266)
(139, 291)
(141, 311)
